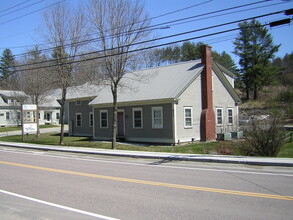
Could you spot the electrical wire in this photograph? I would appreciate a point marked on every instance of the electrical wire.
(168, 13)
(169, 36)
(7, 9)
(5, 22)
(160, 24)
(22, 8)
(137, 50)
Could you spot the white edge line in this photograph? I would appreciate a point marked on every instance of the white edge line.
(149, 165)
(58, 206)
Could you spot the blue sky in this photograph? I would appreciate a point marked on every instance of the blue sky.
(19, 34)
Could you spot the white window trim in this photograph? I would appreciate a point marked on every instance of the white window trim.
(186, 126)
(80, 119)
(133, 119)
(232, 116)
(104, 111)
(91, 124)
(217, 116)
(162, 118)
(77, 102)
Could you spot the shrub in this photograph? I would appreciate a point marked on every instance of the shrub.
(264, 137)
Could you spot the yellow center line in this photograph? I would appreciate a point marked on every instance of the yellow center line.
(177, 186)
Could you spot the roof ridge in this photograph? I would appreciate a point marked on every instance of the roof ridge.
(165, 66)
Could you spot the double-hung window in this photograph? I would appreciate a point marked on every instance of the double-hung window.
(230, 116)
(188, 117)
(157, 117)
(7, 115)
(137, 118)
(219, 116)
(104, 119)
(91, 119)
(78, 120)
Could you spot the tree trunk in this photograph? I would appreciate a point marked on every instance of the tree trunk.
(62, 116)
(114, 124)
(38, 134)
(247, 93)
(255, 93)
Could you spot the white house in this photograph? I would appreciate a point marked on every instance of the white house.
(10, 108)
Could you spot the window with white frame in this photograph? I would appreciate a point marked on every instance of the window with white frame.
(188, 117)
(7, 115)
(230, 116)
(18, 115)
(104, 118)
(78, 102)
(219, 116)
(78, 120)
(157, 117)
(91, 118)
(57, 115)
(137, 118)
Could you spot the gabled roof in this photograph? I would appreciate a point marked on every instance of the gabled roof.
(220, 70)
(160, 83)
(225, 70)
(12, 93)
(85, 91)
(49, 101)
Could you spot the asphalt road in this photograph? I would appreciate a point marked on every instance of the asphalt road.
(51, 185)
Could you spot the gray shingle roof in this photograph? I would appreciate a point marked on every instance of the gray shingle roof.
(83, 91)
(159, 83)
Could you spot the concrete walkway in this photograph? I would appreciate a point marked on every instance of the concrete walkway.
(262, 161)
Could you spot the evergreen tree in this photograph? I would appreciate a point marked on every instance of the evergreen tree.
(7, 63)
(284, 67)
(191, 51)
(254, 45)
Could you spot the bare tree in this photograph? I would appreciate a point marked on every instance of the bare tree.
(88, 71)
(35, 81)
(65, 28)
(119, 25)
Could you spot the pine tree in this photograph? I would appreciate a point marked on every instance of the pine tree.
(254, 45)
(7, 63)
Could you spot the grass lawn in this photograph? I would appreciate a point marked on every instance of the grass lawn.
(228, 148)
(53, 139)
(6, 129)
(286, 151)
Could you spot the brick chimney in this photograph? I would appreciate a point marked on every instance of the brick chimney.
(207, 118)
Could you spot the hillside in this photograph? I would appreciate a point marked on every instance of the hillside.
(271, 98)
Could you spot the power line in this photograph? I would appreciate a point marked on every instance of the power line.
(22, 8)
(229, 13)
(31, 12)
(182, 9)
(153, 27)
(168, 13)
(169, 36)
(135, 50)
(213, 12)
(7, 9)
